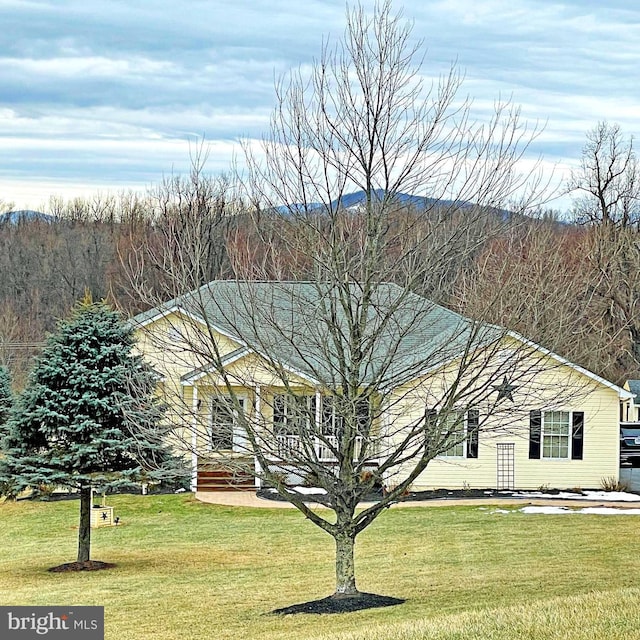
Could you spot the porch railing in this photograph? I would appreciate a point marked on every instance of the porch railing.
(289, 444)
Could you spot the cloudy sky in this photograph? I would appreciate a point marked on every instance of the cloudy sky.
(106, 95)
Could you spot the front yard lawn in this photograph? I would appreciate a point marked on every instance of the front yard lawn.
(189, 570)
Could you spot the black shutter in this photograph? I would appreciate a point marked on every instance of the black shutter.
(473, 422)
(535, 434)
(577, 435)
(430, 418)
(430, 437)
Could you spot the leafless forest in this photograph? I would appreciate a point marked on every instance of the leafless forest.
(569, 281)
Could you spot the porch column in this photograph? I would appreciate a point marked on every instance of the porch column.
(194, 440)
(258, 423)
(318, 408)
(318, 444)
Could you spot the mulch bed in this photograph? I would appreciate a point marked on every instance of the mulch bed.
(435, 494)
(341, 604)
(88, 565)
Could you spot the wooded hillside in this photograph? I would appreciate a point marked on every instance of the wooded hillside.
(572, 287)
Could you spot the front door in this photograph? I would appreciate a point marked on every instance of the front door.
(225, 428)
(240, 440)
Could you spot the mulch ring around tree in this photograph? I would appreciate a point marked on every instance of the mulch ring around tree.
(87, 565)
(343, 604)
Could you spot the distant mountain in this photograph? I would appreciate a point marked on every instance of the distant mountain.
(25, 215)
(357, 199)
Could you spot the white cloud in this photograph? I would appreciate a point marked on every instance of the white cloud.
(95, 93)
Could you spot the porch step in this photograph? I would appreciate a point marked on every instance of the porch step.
(224, 480)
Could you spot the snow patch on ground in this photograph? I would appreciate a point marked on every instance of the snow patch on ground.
(609, 496)
(602, 511)
(306, 491)
(309, 491)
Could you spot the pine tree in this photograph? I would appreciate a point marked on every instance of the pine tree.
(6, 404)
(6, 397)
(88, 415)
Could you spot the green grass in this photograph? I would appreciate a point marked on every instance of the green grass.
(189, 570)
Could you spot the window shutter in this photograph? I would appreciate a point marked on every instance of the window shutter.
(535, 434)
(577, 435)
(473, 422)
(430, 418)
(430, 422)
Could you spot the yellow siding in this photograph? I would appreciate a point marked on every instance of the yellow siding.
(542, 383)
(545, 386)
(165, 347)
(250, 371)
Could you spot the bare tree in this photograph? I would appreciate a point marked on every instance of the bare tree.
(345, 362)
(614, 255)
(541, 279)
(196, 212)
(608, 179)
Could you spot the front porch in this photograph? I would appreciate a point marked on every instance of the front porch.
(236, 473)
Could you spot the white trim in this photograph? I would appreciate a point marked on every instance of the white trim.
(569, 457)
(203, 321)
(192, 316)
(318, 416)
(465, 433)
(194, 377)
(622, 393)
(163, 314)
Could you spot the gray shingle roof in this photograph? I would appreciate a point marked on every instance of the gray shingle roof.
(308, 328)
(634, 387)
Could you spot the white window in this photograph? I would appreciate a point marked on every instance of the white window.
(460, 430)
(453, 431)
(332, 418)
(291, 413)
(556, 434)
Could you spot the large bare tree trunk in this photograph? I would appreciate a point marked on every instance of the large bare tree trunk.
(84, 532)
(345, 566)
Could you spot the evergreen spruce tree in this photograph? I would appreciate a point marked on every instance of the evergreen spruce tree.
(6, 405)
(88, 415)
(6, 397)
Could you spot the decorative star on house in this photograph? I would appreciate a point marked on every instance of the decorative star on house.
(504, 389)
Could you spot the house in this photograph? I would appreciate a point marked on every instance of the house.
(630, 410)
(248, 361)
(630, 429)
